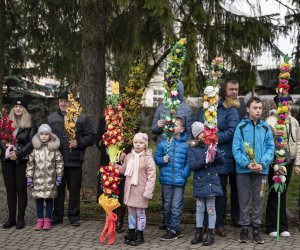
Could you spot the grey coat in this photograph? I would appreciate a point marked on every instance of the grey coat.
(44, 165)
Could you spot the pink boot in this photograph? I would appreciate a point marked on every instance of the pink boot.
(39, 224)
(47, 224)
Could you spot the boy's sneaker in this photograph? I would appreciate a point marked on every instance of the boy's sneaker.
(244, 235)
(285, 234)
(256, 237)
(170, 235)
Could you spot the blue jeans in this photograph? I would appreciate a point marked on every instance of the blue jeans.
(173, 206)
(210, 207)
(40, 206)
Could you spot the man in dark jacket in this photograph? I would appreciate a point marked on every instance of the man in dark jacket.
(73, 152)
(228, 119)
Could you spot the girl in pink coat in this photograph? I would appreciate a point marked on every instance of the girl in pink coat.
(140, 172)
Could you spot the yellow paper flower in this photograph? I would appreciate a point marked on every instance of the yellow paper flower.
(182, 41)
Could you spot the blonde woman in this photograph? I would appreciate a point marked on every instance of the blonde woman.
(14, 163)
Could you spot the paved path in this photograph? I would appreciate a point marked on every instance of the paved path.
(86, 236)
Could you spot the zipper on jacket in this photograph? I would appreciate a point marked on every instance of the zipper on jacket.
(254, 128)
(173, 161)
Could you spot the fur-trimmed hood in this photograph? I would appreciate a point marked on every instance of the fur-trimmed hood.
(195, 143)
(53, 143)
(230, 102)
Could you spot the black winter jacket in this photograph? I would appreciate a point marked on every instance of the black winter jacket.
(24, 144)
(85, 137)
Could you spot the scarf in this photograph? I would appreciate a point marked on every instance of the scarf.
(132, 168)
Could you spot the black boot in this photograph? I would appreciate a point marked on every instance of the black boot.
(198, 236)
(20, 222)
(120, 222)
(139, 240)
(209, 238)
(131, 236)
(10, 222)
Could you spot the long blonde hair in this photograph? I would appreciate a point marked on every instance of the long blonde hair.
(23, 122)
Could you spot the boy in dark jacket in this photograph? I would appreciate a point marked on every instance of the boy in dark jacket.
(251, 175)
(206, 183)
(174, 172)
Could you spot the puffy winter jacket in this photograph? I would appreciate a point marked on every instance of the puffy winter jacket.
(176, 171)
(84, 135)
(183, 111)
(206, 179)
(44, 165)
(260, 139)
(228, 119)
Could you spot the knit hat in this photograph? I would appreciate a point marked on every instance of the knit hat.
(20, 101)
(143, 137)
(45, 128)
(197, 128)
(64, 95)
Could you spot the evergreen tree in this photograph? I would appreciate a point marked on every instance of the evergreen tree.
(93, 80)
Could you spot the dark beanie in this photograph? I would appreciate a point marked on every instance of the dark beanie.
(276, 99)
(64, 95)
(20, 101)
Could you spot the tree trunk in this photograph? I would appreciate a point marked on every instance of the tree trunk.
(93, 80)
(2, 47)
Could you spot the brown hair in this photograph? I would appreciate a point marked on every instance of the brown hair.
(181, 121)
(253, 99)
(224, 86)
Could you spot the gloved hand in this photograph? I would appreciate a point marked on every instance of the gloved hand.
(29, 182)
(58, 180)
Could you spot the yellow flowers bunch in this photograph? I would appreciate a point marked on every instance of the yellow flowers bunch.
(72, 114)
(132, 98)
(250, 152)
(285, 75)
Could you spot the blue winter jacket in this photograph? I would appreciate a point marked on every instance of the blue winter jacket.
(228, 119)
(183, 111)
(176, 171)
(206, 179)
(260, 138)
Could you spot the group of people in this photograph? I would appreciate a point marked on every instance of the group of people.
(47, 161)
(237, 126)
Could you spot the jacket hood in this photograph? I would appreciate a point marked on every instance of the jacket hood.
(230, 102)
(183, 137)
(53, 143)
(180, 89)
(149, 152)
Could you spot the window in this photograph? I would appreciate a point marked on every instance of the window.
(157, 97)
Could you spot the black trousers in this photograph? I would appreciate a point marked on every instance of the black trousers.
(221, 201)
(271, 210)
(14, 175)
(72, 179)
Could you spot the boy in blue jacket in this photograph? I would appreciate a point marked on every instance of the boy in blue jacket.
(251, 178)
(174, 172)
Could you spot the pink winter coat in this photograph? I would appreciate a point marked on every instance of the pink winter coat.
(139, 195)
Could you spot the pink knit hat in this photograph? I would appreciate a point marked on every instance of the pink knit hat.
(143, 137)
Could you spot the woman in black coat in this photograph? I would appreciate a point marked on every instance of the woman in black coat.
(14, 163)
